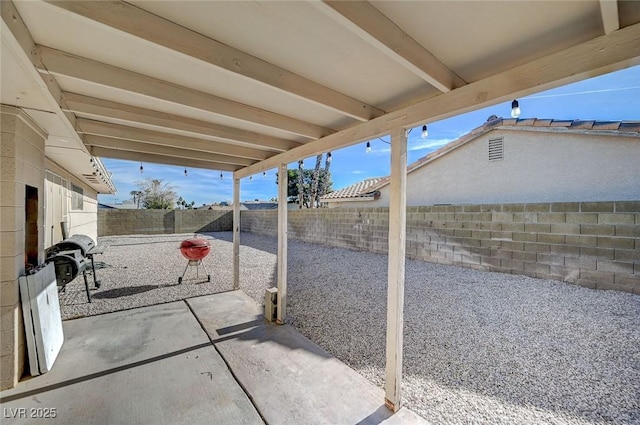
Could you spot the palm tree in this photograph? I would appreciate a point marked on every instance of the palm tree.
(314, 182)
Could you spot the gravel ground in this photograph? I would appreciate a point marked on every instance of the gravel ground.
(479, 347)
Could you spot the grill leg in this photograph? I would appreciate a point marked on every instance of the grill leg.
(184, 272)
(96, 282)
(86, 284)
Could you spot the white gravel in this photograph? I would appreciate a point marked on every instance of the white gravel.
(479, 347)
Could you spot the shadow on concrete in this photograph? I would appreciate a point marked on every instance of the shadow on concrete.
(124, 292)
(79, 379)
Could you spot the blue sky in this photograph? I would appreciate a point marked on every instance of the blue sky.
(614, 97)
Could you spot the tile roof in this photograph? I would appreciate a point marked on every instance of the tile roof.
(357, 190)
(630, 128)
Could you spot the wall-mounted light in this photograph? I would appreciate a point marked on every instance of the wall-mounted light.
(425, 132)
(368, 148)
(515, 109)
(141, 168)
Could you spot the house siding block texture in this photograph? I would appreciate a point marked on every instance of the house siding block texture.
(21, 163)
(592, 244)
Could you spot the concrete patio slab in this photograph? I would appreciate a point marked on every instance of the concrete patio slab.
(291, 380)
(148, 365)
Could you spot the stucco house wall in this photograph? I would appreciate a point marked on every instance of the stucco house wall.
(82, 220)
(538, 166)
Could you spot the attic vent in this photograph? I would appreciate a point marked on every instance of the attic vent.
(496, 149)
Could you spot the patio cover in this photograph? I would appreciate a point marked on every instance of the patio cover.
(244, 87)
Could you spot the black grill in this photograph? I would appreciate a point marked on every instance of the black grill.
(69, 258)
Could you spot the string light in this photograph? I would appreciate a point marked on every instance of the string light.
(185, 171)
(368, 148)
(220, 176)
(515, 109)
(425, 132)
(141, 168)
(264, 174)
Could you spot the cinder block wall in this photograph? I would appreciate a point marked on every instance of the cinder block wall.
(21, 164)
(592, 244)
(149, 222)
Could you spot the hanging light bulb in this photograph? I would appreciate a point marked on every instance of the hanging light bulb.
(515, 109)
(368, 148)
(425, 132)
(185, 171)
(328, 154)
(220, 176)
(264, 174)
(250, 178)
(141, 168)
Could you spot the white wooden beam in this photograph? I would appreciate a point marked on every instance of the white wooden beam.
(236, 234)
(100, 128)
(610, 18)
(62, 63)
(283, 210)
(158, 159)
(147, 26)
(174, 152)
(99, 108)
(364, 20)
(395, 288)
(15, 31)
(608, 53)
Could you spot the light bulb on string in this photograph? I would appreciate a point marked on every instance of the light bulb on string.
(515, 109)
(368, 148)
(425, 132)
(185, 171)
(141, 168)
(220, 176)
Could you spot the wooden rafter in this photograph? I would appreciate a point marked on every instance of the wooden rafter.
(99, 128)
(375, 28)
(169, 151)
(99, 108)
(159, 159)
(147, 26)
(66, 64)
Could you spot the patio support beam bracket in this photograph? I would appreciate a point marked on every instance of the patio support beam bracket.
(282, 243)
(236, 233)
(396, 268)
(610, 17)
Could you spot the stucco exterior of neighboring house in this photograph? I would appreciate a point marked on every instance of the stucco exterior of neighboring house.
(524, 161)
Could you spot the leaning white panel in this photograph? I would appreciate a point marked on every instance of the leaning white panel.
(43, 322)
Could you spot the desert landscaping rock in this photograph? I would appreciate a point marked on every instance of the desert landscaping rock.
(479, 347)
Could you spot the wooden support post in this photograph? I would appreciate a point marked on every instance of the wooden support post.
(282, 243)
(236, 234)
(395, 289)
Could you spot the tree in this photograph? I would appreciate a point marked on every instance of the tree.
(136, 197)
(314, 182)
(156, 194)
(293, 193)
